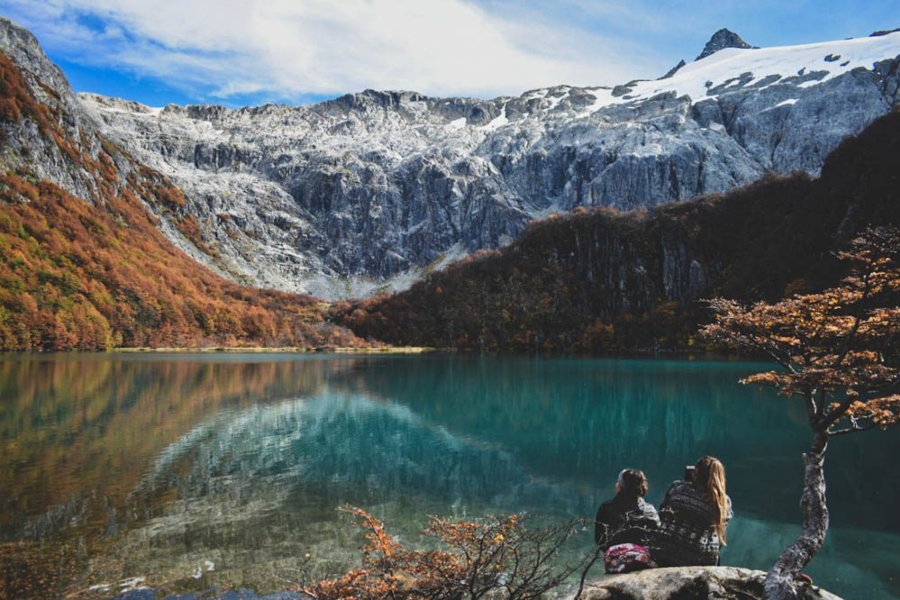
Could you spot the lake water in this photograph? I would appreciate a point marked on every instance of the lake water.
(192, 471)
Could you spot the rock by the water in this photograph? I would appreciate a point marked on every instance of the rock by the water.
(683, 583)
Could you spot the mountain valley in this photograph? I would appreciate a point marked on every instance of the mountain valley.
(373, 192)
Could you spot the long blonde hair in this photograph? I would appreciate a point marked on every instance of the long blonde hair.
(710, 474)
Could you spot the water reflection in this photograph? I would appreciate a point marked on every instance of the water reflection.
(584, 419)
(347, 447)
(161, 466)
(73, 424)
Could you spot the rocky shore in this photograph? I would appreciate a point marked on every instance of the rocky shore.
(688, 583)
(676, 583)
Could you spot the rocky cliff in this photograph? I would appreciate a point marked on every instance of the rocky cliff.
(370, 190)
(601, 281)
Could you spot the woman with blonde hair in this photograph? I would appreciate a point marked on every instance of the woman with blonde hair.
(694, 516)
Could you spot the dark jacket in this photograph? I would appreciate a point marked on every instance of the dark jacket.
(687, 534)
(622, 520)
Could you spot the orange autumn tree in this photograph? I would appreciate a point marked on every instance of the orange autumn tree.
(838, 352)
(488, 557)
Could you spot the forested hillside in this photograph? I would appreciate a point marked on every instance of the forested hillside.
(93, 275)
(603, 281)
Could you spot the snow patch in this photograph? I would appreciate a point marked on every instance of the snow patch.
(498, 121)
(603, 97)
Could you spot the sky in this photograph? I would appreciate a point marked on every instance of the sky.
(251, 52)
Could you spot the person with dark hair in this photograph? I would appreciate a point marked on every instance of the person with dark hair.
(625, 525)
(694, 515)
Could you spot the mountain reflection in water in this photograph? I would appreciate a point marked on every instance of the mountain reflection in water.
(229, 467)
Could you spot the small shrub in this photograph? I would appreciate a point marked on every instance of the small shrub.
(493, 557)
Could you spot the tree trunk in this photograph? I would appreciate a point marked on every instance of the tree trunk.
(781, 577)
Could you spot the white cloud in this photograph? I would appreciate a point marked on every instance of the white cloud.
(290, 48)
(287, 50)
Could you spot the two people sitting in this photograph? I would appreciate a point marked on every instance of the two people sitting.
(688, 529)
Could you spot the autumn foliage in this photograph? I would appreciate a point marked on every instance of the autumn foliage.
(497, 557)
(73, 276)
(95, 273)
(838, 351)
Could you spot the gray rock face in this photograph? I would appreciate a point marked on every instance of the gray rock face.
(367, 192)
(720, 40)
(720, 583)
(26, 143)
(20, 45)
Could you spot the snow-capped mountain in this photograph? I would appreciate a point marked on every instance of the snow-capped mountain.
(370, 190)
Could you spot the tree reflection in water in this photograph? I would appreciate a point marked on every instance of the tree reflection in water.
(154, 465)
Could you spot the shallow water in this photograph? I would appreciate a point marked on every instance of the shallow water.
(191, 471)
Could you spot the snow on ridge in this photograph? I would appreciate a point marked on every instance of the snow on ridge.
(498, 121)
(724, 68)
(603, 97)
(118, 105)
(835, 58)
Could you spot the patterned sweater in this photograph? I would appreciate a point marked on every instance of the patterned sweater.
(687, 534)
(622, 520)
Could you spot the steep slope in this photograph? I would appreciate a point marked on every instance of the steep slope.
(93, 271)
(606, 281)
(337, 198)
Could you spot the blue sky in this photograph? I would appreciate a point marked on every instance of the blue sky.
(249, 52)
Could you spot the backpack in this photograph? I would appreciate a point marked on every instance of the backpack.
(624, 558)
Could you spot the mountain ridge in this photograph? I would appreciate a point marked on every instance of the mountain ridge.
(602, 281)
(368, 192)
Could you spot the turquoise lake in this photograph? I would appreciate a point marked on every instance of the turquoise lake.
(199, 470)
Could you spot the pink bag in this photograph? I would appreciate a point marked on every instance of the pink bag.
(624, 558)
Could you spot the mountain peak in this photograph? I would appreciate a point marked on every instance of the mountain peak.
(25, 51)
(722, 39)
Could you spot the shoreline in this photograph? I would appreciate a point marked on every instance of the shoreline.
(273, 350)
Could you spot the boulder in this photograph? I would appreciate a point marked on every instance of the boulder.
(688, 583)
